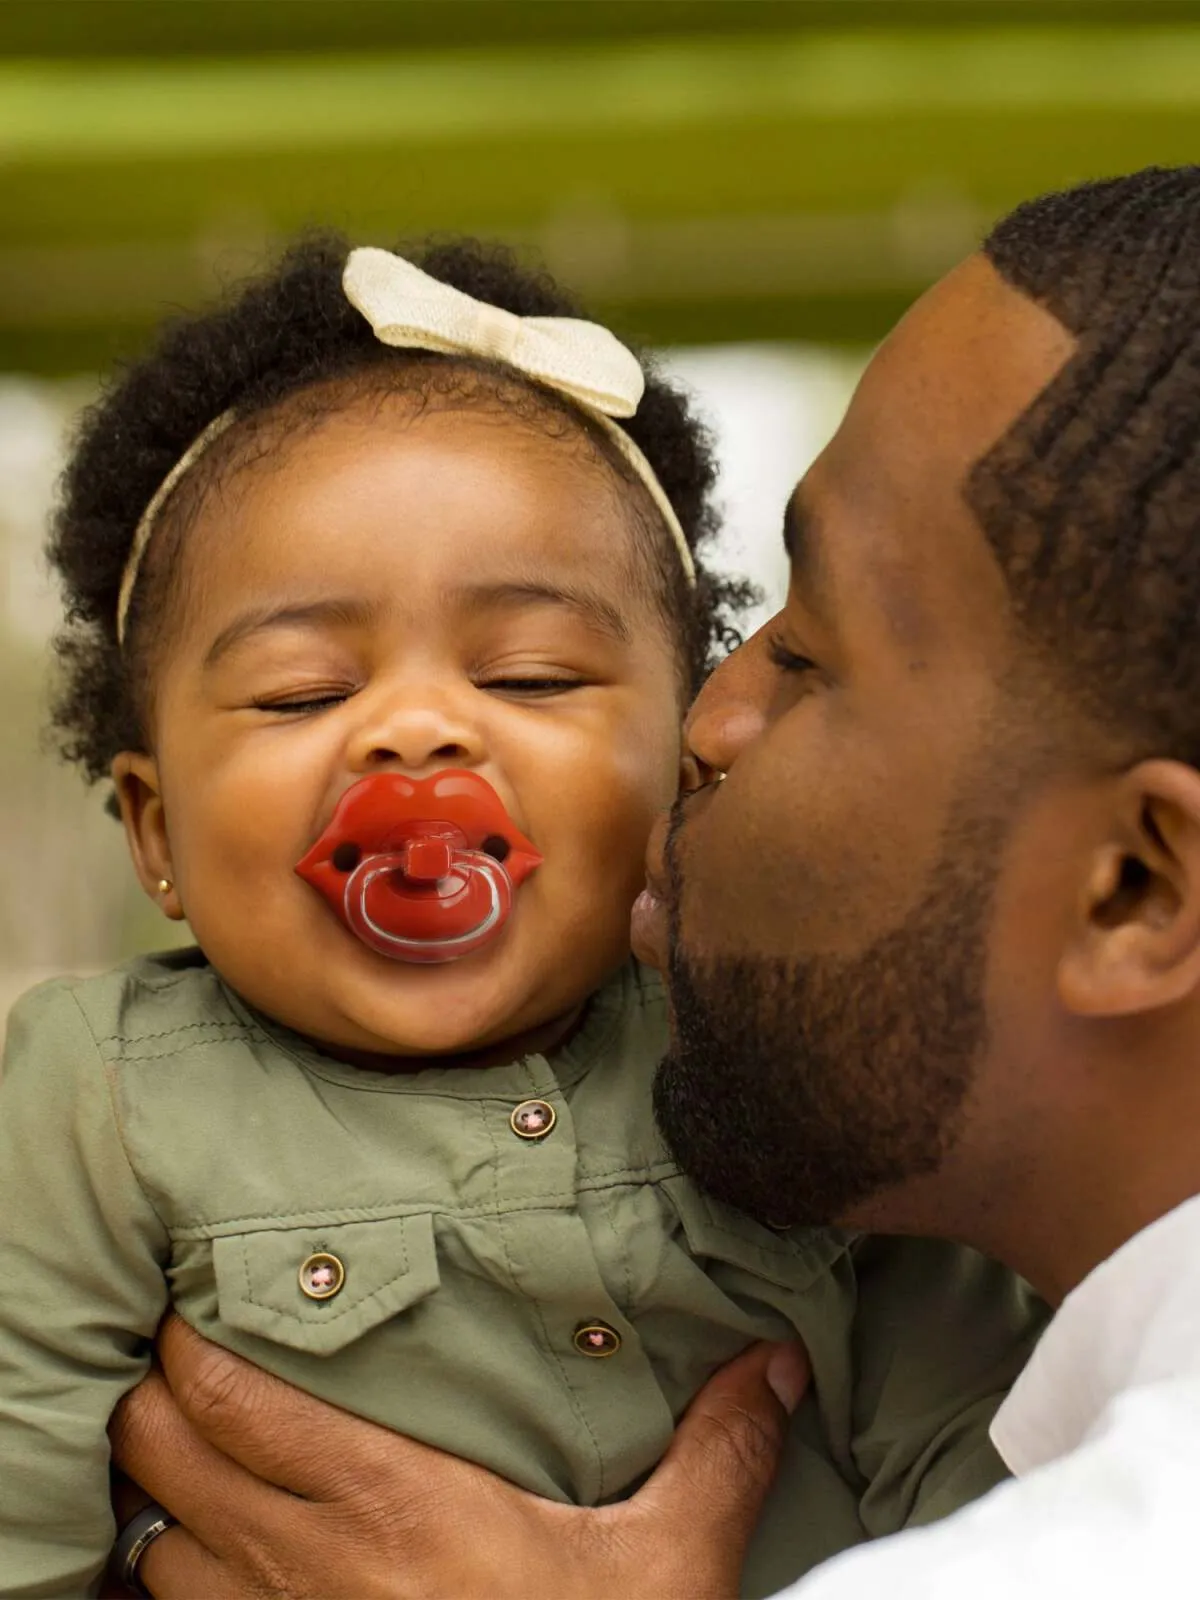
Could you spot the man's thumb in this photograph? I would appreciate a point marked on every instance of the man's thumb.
(723, 1456)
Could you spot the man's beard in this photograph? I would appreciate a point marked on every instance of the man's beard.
(798, 1089)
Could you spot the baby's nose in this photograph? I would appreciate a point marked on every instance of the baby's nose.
(415, 733)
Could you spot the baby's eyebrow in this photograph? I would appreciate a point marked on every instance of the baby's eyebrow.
(591, 607)
(341, 612)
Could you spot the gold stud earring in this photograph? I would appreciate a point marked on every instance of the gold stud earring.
(165, 886)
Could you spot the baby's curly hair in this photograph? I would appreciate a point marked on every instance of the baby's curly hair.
(292, 336)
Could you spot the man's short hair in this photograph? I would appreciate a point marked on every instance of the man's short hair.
(1091, 501)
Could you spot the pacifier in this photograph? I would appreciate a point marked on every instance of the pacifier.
(421, 869)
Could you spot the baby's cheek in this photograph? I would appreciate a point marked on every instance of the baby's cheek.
(223, 849)
(233, 868)
(611, 829)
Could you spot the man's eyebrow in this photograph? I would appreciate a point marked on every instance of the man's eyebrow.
(801, 540)
(797, 529)
(331, 612)
(592, 608)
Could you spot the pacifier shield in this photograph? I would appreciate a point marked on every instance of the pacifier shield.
(421, 869)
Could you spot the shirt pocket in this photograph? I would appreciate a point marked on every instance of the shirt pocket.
(388, 1264)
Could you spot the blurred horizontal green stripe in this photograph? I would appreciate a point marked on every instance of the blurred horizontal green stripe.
(93, 112)
(804, 184)
(694, 259)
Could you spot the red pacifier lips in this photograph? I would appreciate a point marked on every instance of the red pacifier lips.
(421, 869)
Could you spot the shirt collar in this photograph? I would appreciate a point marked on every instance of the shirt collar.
(1133, 1321)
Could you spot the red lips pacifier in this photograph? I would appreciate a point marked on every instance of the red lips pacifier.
(421, 869)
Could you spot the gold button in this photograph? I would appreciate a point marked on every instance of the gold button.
(533, 1119)
(321, 1276)
(596, 1339)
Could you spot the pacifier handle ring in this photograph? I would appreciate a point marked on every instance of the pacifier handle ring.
(476, 862)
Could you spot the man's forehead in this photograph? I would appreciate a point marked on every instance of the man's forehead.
(946, 385)
(971, 355)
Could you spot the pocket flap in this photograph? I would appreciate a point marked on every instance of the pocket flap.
(387, 1265)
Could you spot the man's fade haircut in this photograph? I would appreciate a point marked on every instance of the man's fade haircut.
(1091, 501)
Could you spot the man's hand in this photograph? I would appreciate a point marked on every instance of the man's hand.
(282, 1496)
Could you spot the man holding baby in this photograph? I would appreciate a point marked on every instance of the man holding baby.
(932, 931)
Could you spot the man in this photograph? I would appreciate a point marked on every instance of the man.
(934, 954)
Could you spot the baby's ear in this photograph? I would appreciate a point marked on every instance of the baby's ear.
(1136, 943)
(139, 799)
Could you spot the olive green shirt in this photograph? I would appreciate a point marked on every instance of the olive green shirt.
(162, 1143)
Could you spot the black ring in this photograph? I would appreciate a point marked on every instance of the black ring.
(134, 1539)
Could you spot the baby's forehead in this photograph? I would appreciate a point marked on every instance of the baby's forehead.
(474, 415)
(420, 395)
(434, 498)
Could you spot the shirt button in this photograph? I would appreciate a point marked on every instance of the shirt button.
(533, 1119)
(321, 1276)
(596, 1339)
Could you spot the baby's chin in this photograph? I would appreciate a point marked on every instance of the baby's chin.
(382, 1013)
(454, 1018)
(377, 1012)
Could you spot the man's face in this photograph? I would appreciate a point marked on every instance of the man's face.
(838, 910)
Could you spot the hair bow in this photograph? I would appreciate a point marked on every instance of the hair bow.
(409, 309)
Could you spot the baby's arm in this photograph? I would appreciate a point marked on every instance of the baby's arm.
(940, 1334)
(81, 1293)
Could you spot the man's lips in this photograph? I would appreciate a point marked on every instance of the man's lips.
(648, 930)
(656, 856)
(648, 919)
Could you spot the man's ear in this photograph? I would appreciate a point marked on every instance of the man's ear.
(139, 795)
(1136, 941)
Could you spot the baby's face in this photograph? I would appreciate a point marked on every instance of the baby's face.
(400, 594)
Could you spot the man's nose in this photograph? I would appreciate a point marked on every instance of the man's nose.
(730, 711)
(415, 729)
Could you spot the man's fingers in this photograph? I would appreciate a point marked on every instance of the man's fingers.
(154, 1444)
(178, 1567)
(723, 1457)
(279, 1433)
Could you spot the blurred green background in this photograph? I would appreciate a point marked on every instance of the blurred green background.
(704, 171)
(756, 186)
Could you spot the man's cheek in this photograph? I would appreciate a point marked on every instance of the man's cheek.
(751, 880)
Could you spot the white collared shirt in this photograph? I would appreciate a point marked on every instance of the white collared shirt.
(1102, 1431)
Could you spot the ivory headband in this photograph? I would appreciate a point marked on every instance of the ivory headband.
(409, 310)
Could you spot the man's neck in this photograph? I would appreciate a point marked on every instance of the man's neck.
(1062, 1190)
(1115, 1168)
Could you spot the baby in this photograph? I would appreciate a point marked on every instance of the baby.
(384, 604)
